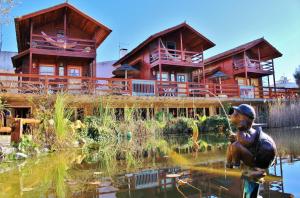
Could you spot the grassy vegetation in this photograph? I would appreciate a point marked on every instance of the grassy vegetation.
(284, 114)
(108, 138)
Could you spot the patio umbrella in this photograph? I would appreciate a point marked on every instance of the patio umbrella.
(125, 70)
(219, 75)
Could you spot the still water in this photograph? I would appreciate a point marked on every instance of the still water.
(68, 174)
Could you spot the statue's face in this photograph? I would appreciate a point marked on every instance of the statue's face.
(236, 118)
(241, 121)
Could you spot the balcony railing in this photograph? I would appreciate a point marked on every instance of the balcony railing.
(170, 56)
(41, 85)
(253, 65)
(46, 42)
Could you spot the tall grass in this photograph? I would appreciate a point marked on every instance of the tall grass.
(284, 114)
(61, 118)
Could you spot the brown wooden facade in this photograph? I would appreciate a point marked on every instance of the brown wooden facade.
(169, 55)
(59, 40)
(244, 65)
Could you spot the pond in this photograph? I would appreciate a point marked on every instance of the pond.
(68, 174)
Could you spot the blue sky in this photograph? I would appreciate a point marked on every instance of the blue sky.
(228, 23)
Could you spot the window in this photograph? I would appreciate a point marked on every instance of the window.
(171, 45)
(61, 71)
(74, 71)
(181, 78)
(172, 77)
(47, 70)
(164, 76)
(242, 81)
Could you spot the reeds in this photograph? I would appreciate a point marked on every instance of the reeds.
(61, 116)
(284, 114)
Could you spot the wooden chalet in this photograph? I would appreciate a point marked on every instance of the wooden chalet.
(245, 66)
(58, 41)
(169, 56)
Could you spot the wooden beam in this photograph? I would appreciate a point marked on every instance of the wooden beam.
(65, 22)
(203, 73)
(160, 74)
(31, 32)
(30, 63)
(181, 46)
(246, 68)
(274, 77)
(258, 52)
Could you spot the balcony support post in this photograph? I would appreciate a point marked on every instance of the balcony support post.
(65, 22)
(31, 32)
(274, 76)
(246, 68)
(181, 47)
(258, 52)
(203, 74)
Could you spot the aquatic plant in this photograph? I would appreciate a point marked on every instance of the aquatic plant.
(61, 117)
(27, 145)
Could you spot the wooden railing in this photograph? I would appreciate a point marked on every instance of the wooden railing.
(253, 64)
(176, 56)
(41, 85)
(63, 44)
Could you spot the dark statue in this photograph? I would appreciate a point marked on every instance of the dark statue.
(253, 147)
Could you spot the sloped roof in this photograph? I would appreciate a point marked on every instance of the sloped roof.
(22, 23)
(208, 43)
(274, 52)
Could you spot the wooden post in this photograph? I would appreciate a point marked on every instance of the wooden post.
(269, 87)
(274, 77)
(246, 68)
(181, 47)
(94, 67)
(31, 32)
(187, 88)
(65, 23)
(30, 62)
(258, 52)
(203, 74)
(30, 54)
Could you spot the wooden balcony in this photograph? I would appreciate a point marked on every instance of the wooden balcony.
(41, 85)
(176, 57)
(72, 47)
(254, 68)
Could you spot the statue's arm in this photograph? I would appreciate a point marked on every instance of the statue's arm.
(246, 139)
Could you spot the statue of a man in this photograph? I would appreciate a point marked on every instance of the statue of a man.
(253, 147)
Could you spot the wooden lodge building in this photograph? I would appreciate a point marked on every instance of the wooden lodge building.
(57, 52)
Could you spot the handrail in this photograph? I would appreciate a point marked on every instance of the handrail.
(164, 54)
(44, 84)
(69, 44)
(253, 63)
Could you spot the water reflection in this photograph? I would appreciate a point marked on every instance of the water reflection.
(68, 174)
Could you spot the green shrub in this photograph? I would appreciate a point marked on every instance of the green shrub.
(216, 124)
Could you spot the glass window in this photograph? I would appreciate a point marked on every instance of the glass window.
(73, 72)
(47, 70)
(61, 71)
(172, 77)
(164, 76)
(171, 45)
(181, 78)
